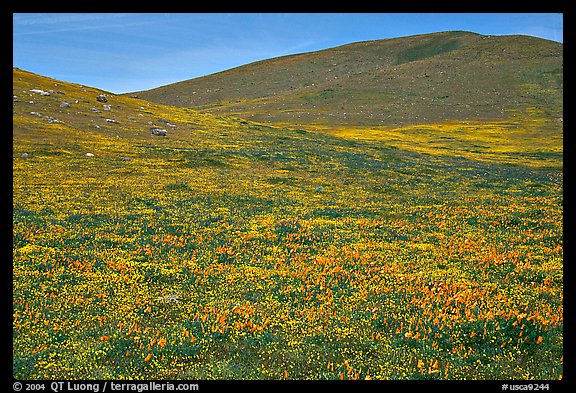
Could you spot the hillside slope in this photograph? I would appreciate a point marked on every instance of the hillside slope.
(417, 79)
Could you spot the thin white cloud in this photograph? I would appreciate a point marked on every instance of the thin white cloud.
(59, 19)
(69, 23)
(78, 28)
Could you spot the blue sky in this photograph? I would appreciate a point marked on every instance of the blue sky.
(130, 52)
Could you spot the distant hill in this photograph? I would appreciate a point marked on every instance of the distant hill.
(426, 78)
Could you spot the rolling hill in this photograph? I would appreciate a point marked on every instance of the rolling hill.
(430, 78)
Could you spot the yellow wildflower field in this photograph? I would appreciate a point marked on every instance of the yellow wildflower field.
(235, 250)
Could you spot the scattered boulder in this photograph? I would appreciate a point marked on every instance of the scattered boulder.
(41, 92)
(319, 189)
(111, 121)
(125, 158)
(169, 298)
(101, 98)
(15, 99)
(106, 107)
(50, 119)
(89, 155)
(60, 92)
(159, 131)
(95, 110)
(165, 122)
(65, 105)
(25, 155)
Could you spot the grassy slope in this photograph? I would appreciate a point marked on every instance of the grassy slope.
(233, 250)
(403, 81)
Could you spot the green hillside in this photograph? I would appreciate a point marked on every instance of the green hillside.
(423, 79)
